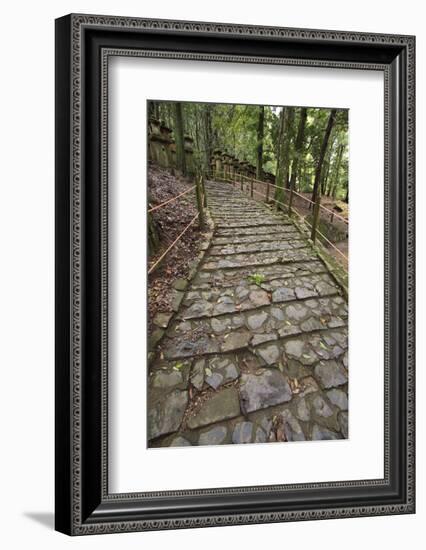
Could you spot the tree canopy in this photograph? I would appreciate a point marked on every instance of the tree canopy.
(287, 142)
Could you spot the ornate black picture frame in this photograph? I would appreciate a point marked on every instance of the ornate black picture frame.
(83, 45)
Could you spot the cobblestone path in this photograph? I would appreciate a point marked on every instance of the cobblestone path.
(257, 350)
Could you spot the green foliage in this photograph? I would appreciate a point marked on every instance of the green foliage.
(178, 366)
(256, 278)
(233, 129)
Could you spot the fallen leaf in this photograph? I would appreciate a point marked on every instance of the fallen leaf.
(178, 365)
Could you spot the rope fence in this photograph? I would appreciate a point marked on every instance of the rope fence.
(201, 204)
(307, 223)
(151, 269)
(201, 199)
(286, 190)
(154, 208)
(314, 228)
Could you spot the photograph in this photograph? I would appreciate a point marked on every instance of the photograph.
(247, 269)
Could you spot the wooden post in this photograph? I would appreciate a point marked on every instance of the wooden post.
(290, 200)
(267, 191)
(199, 194)
(315, 217)
(251, 187)
(203, 187)
(241, 180)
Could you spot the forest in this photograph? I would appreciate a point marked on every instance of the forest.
(306, 148)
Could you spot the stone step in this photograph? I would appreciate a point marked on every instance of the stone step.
(252, 248)
(241, 208)
(236, 215)
(258, 218)
(227, 206)
(240, 214)
(261, 334)
(238, 211)
(291, 233)
(229, 203)
(237, 331)
(248, 295)
(237, 197)
(242, 231)
(263, 222)
(221, 208)
(327, 420)
(232, 277)
(302, 378)
(261, 258)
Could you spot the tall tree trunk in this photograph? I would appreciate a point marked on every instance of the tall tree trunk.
(327, 172)
(180, 144)
(283, 155)
(289, 131)
(325, 177)
(318, 170)
(335, 183)
(199, 143)
(259, 148)
(167, 115)
(347, 194)
(302, 178)
(207, 135)
(298, 148)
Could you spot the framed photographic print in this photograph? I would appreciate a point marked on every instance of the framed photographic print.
(234, 274)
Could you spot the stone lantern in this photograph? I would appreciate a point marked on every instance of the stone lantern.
(153, 134)
(165, 156)
(234, 167)
(243, 167)
(230, 166)
(189, 155)
(217, 161)
(159, 137)
(251, 171)
(226, 161)
(231, 171)
(212, 166)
